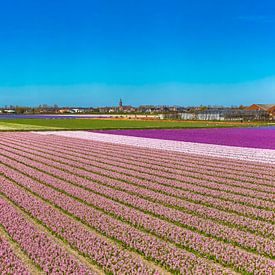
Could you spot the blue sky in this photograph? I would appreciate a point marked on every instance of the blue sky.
(177, 52)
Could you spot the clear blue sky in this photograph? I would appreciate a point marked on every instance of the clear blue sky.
(92, 52)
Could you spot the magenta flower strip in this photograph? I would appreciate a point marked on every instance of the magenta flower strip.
(240, 137)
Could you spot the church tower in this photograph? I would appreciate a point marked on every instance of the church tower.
(120, 106)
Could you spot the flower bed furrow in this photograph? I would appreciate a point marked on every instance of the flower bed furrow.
(173, 258)
(61, 170)
(50, 257)
(201, 225)
(146, 160)
(10, 263)
(187, 184)
(106, 254)
(238, 258)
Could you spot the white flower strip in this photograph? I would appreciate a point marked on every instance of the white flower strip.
(240, 153)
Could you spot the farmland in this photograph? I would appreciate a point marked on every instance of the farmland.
(74, 123)
(93, 203)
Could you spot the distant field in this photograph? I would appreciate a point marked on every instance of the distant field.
(96, 124)
(4, 126)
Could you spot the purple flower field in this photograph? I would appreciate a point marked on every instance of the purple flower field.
(240, 137)
(76, 205)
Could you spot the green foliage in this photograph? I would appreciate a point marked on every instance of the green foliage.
(98, 124)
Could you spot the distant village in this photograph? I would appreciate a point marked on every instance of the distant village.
(254, 112)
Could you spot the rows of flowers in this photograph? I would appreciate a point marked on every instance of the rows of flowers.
(9, 261)
(75, 173)
(177, 192)
(213, 167)
(130, 215)
(47, 254)
(151, 156)
(175, 258)
(248, 154)
(111, 257)
(206, 247)
(132, 189)
(219, 188)
(153, 165)
(241, 222)
(139, 240)
(199, 172)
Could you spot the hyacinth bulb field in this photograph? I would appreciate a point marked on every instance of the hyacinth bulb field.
(138, 202)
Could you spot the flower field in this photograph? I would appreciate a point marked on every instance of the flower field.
(262, 137)
(117, 203)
